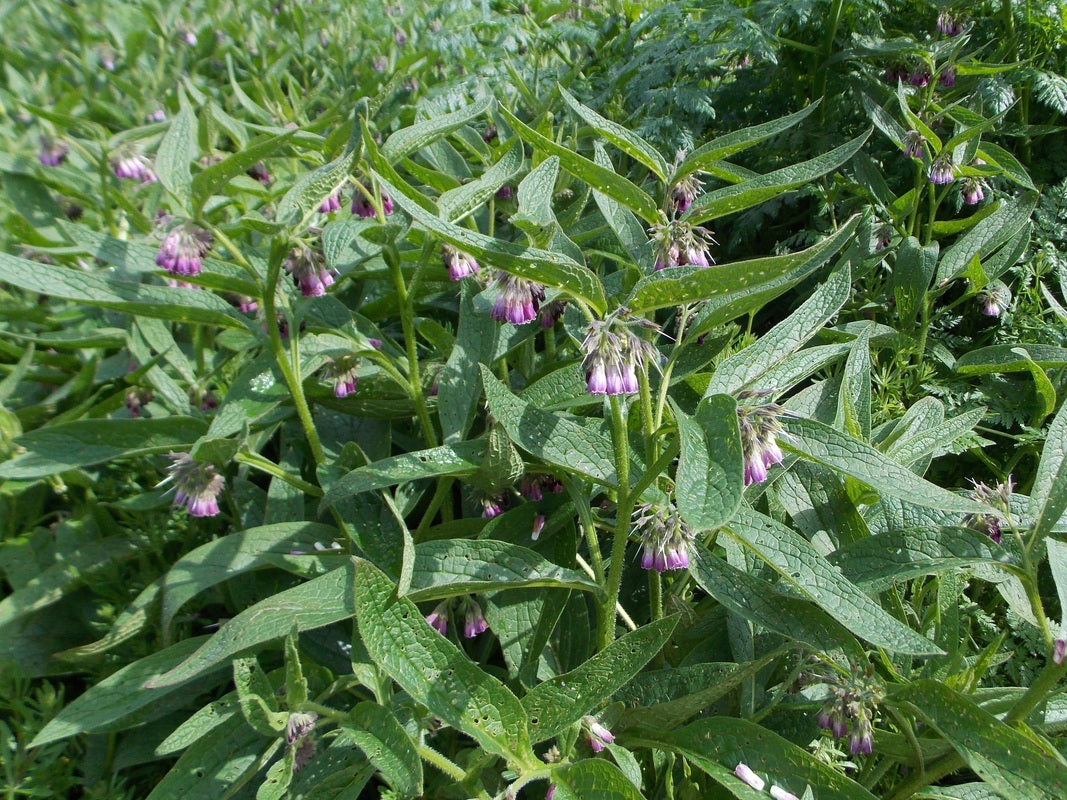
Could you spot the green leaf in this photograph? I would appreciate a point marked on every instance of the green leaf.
(314, 604)
(744, 369)
(535, 216)
(176, 151)
(215, 177)
(67, 445)
(734, 289)
(1004, 358)
(307, 193)
(999, 157)
(736, 141)
(256, 699)
(827, 446)
(934, 438)
(459, 384)
(756, 600)
(602, 180)
(1045, 391)
(854, 399)
(709, 484)
(623, 138)
(413, 138)
(627, 228)
(801, 566)
(985, 237)
(877, 562)
(1005, 758)
(1048, 497)
(458, 459)
(119, 699)
(91, 288)
(374, 730)
(752, 192)
(200, 724)
(454, 204)
(717, 745)
(561, 701)
(593, 779)
(435, 672)
(543, 266)
(452, 567)
(296, 685)
(212, 764)
(912, 271)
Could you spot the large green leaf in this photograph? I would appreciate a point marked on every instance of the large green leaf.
(176, 151)
(708, 483)
(561, 701)
(1008, 358)
(913, 270)
(1048, 498)
(374, 730)
(413, 138)
(211, 766)
(459, 383)
(215, 177)
(593, 779)
(435, 672)
(985, 237)
(456, 203)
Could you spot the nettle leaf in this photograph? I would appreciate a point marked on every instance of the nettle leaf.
(413, 138)
(460, 459)
(435, 672)
(709, 481)
(877, 562)
(375, 730)
(1048, 498)
(623, 138)
(985, 237)
(1005, 758)
(717, 745)
(800, 565)
(454, 204)
(314, 604)
(744, 369)
(738, 197)
(176, 151)
(67, 445)
(593, 779)
(735, 142)
(561, 701)
(452, 567)
(757, 601)
(832, 448)
(605, 181)
(734, 289)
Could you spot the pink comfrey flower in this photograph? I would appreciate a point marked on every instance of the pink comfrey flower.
(53, 152)
(760, 426)
(363, 207)
(947, 78)
(299, 725)
(438, 618)
(342, 373)
(679, 244)
(998, 497)
(551, 313)
(664, 536)
(995, 299)
(197, 485)
(460, 265)
(684, 192)
(258, 172)
(182, 249)
(942, 171)
(309, 271)
(778, 793)
(1059, 650)
(331, 203)
(745, 773)
(949, 24)
(597, 734)
(517, 299)
(972, 190)
(614, 354)
(473, 620)
(537, 527)
(913, 144)
(130, 164)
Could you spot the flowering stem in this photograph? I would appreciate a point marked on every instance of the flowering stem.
(624, 508)
(588, 527)
(238, 256)
(655, 594)
(256, 461)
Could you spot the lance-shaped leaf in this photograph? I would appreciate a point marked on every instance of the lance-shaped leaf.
(734, 289)
(985, 237)
(213, 178)
(744, 195)
(1005, 358)
(375, 730)
(219, 759)
(709, 483)
(435, 672)
(593, 779)
(1048, 498)
(176, 150)
(832, 448)
(623, 138)
(801, 566)
(627, 228)
(456, 203)
(452, 567)
(563, 700)
(415, 137)
(912, 271)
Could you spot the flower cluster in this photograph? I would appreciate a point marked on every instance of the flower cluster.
(998, 497)
(473, 619)
(972, 190)
(614, 353)
(942, 170)
(849, 711)
(182, 248)
(913, 143)
(331, 203)
(949, 24)
(53, 152)
(132, 165)
(760, 426)
(517, 299)
(309, 271)
(679, 244)
(298, 733)
(197, 485)
(684, 192)
(665, 537)
(596, 733)
(460, 265)
(342, 373)
(995, 299)
(363, 207)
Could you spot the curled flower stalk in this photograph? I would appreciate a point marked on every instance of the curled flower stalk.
(664, 536)
(309, 271)
(459, 264)
(942, 171)
(994, 299)
(182, 249)
(996, 497)
(849, 710)
(341, 372)
(614, 354)
(679, 244)
(130, 164)
(53, 152)
(197, 485)
(517, 299)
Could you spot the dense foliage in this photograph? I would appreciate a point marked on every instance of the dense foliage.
(481, 399)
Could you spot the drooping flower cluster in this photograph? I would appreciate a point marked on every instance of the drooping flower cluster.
(998, 497)
(684, 192)
(197, 485)
(679, 244)
(533, 486)
(942, 170)
(849, 711)
(614, 353)
(517, 299)
(947, 78)
(299, 729)
(913, 143)
(949, 24)
(920, 76)
(493, 505)
(551, 313)
(995, 299)
(131, 164)
(473, 619)
(53, 152)
(665, 537)
(596, 733)
(760, 426)
(342, 373)
(309, 271)
(972, 190)
(460, 265)
(331, 203)
(363, 207)
(182, 248)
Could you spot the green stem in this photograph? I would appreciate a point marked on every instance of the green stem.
(443, 492)
(407, 322)
(431, 756)
(256, 461)
(624, 509)
(235, 251)
(655, 594)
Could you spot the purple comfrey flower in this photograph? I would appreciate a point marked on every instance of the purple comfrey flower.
(942, 171)
(999, 497)
(883, 235)
(778, 793)
(517, 299)
(182, 248)
(948, 24)
(258, 172)
(913, 144)
(159, 115)
(972, 190)
(995, 299)
(342, 373)
(493, 505)
(684, 192)
(438, 618)
(490, 134)
(244, 303)
(304, 753)
(363, 207)
(745, 773)
(1059, 650)
(107, 57)
(299, 725)
(174, 283)
(379, 63)
(849, 709)
(309, 271)
(473, 620)
(613, 354)
(53, 152)
(551, 792)
(136, 399)
(187, 35)
(197, 485)
(132, 165)
(896, 72)
(551, 313)
(504, 192)
(664, 535)
(530, 488)
(460, 265)
(760, 426)
(679, 244)
(331, 203)
(400, 37)
(920, 76)
(947, 78)
(598, 735)
(537, 527)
